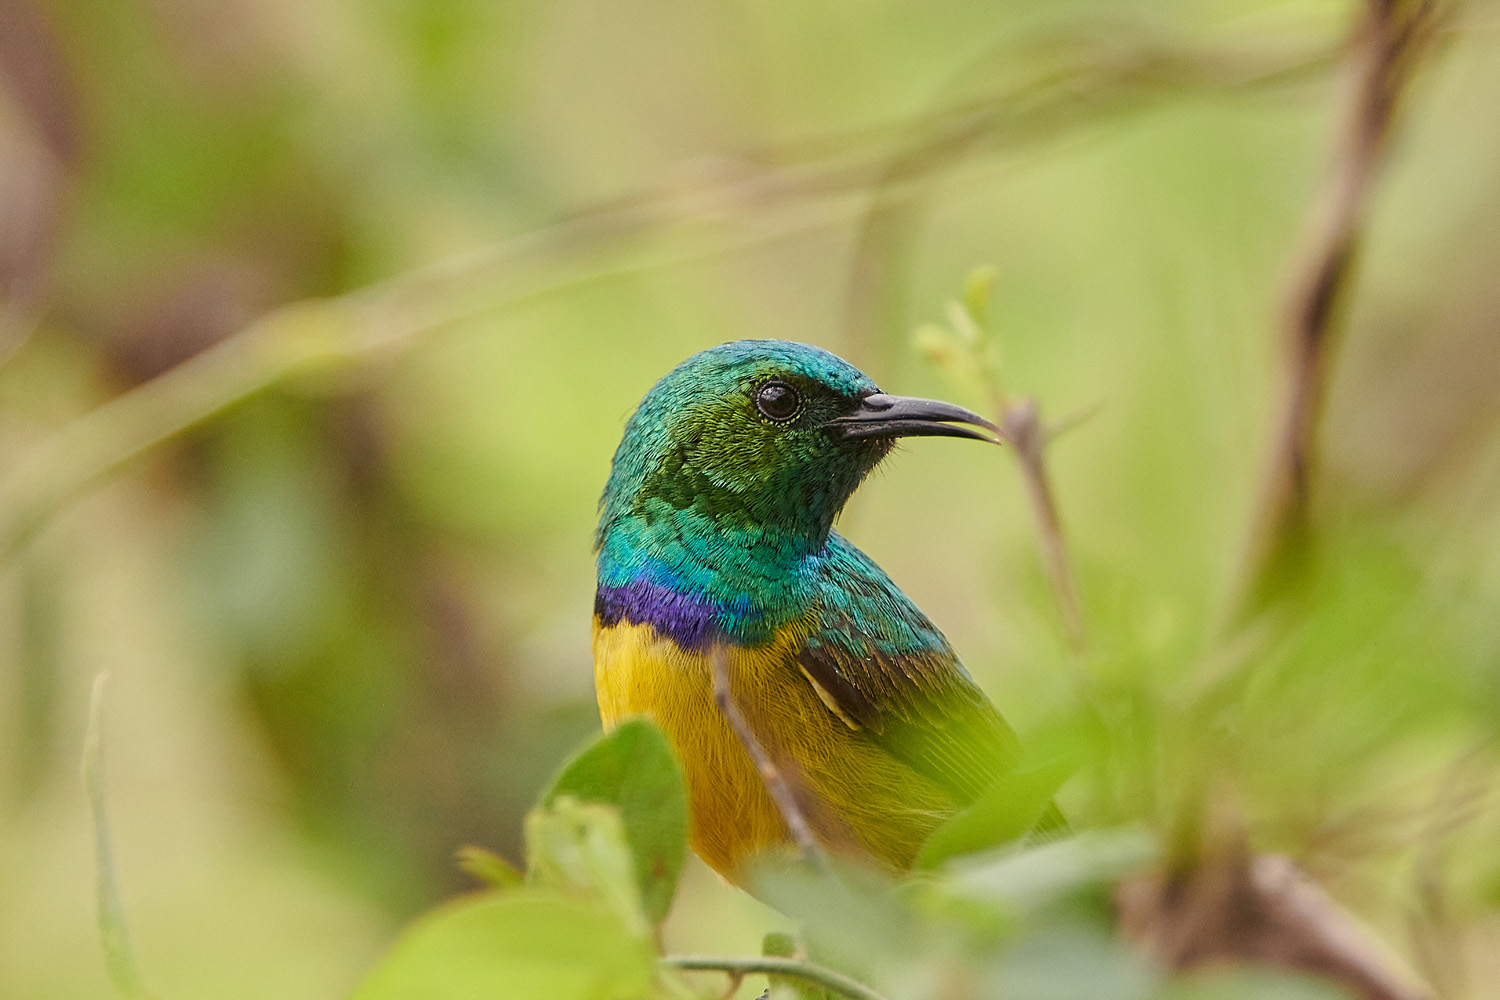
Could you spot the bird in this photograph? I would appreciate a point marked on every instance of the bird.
(715, 538)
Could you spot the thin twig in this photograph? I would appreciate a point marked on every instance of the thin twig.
(776, 784)
(1073, 421)
(113, 932)
(1021, 426)
(790, 967)
(1383, 55)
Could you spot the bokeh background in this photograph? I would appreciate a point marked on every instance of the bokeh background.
(346, 614)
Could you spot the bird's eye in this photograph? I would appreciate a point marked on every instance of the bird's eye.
(778, 401)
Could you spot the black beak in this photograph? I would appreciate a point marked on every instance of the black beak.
(882, 416)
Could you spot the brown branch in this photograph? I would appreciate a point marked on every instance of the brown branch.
(1383, 54)
(777, 786)
(1236, 907)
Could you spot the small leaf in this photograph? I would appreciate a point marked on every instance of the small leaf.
(580, 846)
(965, 325)
(938, 345)
(979, 286)
(488, 867)
(521, 943)
(634, 769)
(778, 944)
(1007, 811)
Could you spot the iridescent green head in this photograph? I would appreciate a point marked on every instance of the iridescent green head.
(764, 436)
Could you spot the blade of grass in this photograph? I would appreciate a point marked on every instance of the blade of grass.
(113, 933)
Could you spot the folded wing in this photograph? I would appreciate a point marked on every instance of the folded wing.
(882, 666)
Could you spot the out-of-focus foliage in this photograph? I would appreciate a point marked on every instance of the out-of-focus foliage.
(523, 943)
(1016, 921)
(347, 617)
(635, 771)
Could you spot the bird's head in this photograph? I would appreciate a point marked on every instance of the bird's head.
(764, 434)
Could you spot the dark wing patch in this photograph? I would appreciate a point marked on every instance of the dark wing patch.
(887, 668)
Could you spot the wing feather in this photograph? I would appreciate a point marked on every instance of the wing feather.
(885, 667)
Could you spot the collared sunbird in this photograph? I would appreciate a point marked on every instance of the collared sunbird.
(715, 534)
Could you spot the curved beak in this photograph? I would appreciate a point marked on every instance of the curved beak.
(882, 416)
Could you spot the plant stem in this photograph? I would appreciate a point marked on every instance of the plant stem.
(777, 786)
(115, 936)
(790, 967)
(1021, 426)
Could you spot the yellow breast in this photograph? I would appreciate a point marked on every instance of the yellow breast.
(857, 798)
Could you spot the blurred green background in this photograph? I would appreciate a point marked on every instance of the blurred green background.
(347, 617)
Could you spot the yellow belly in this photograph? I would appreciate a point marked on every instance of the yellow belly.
(857, 798)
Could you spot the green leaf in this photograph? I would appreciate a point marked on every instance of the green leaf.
(1007, 811)
(580, 846)
(979, 286)
(938, 345)
(520, 943)
(634, 769)
(965, 326)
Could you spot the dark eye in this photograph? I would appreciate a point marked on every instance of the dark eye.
(778, 400)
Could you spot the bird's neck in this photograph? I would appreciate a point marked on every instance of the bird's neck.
(697, 577)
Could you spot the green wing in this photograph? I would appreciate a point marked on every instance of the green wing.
(883, 666)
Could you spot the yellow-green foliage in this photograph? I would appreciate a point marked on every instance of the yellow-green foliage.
(426, 255)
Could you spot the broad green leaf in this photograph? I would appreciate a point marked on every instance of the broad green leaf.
(1007, 811)
(634, 769)
(580, 846)
(520, 943)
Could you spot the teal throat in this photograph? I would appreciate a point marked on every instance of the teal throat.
(697, 585)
